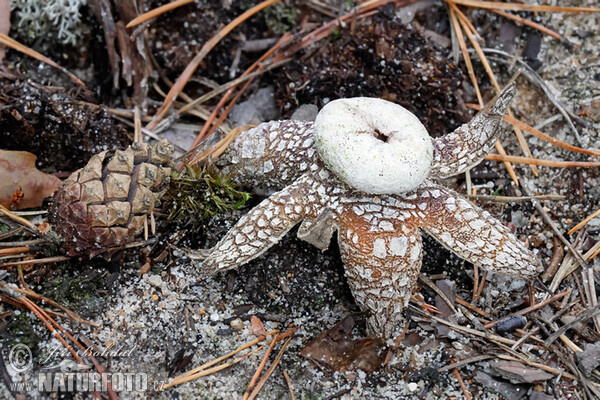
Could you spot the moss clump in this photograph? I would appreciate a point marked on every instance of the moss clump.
(21, 329)
(200, 192)
(280, 18)
(77, 290)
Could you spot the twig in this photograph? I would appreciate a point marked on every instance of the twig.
(488, 69)
(584, 222)
(557, 257)
(288, 382)
(516, 199)
(480, 285)
(485, 335)
(14, 250)
(437, 290)
(464, 362)
(16, 218)
(226, 86)
(50, 302)
(544, 163)
(97, 365)
(218, 360)
(183, 379)
(460, 381)
(546, 368)
(269, 372)
(529, 309)
(471, 307)
(454, 12)
(36, 261)
(259, 370)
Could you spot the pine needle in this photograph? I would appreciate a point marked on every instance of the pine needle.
(191, 67)
(584, 222)
(13, 44)
(490, 5)
(532, 24)
(543, 163)
(156, 12)
(540, 135)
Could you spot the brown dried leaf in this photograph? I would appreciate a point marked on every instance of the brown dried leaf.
(4, 22)
(18, 172)
(336, 349)
(256, 326)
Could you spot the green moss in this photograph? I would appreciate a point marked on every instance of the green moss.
(199, 193)
(78, 292)
(280, 18)
(21, 329)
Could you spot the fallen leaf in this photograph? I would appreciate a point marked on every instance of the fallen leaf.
(256, 326)
(4, 22)
(18, 172)
(336, 349)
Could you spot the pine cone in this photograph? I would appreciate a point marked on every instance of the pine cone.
(102, 206)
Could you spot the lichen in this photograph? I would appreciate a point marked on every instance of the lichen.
(52, 19)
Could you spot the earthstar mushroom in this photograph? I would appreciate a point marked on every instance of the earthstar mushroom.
(378, 226)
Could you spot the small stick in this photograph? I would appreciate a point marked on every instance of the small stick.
(259, 370)
(288, 382)
(546, 368)
(527, 310)
(97, 365)
(183, 379)
(584, 222)
(475, 281)
(28, 213)
(563, 329)
(50, 302)
(471, 307)
(516, 199)
(437, 290)
(15, 217)
(526, 336)
(35, 261)
(464, 362)
(557, 257)
(14, 250)
(24, 242)
(481, 285)
(397, 341)
(269, 372)
(218, 360)
(488, 69)
(460, 381)
(475, 332)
